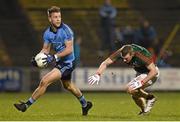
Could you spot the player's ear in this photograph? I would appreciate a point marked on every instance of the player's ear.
(132, 53)
(49, 18)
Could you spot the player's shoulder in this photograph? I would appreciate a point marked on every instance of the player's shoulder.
(137, 48)
(66, 28)
(47, 33)
(63, 25)
(47, 30)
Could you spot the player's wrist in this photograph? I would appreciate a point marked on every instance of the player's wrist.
(98, 73)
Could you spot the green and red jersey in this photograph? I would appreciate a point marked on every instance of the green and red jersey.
(141, 59)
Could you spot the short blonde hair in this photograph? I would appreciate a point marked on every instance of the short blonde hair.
(53, 9)
(125, 50)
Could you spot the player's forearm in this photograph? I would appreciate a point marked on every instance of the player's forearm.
(44, 51)
(101, 68)
(66, 52)
(152, 72)
(104, 65)
(150, 75)
(46, 48)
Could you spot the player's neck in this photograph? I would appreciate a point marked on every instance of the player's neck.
(54, 29)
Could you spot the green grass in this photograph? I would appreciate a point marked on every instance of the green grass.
(107, 106)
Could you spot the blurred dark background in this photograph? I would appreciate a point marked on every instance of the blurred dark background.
(22, 23)
(154, 24)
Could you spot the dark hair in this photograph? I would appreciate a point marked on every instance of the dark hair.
(125, 50)
(53, 9)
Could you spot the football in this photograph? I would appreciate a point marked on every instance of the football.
(40, 60)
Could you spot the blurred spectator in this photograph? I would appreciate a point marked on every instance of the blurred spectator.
(77, 50)
(118, 38)
(107, 16)
(162, 60)
(146, 35)
(126, 35)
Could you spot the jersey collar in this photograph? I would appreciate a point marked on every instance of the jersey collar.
(54, 29)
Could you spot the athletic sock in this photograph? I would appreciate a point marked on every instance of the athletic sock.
(30, 102)
(82, 101)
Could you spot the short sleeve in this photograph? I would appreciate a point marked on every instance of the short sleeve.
(146, 60)
(46, 37)
(68, 34)
(116, 55)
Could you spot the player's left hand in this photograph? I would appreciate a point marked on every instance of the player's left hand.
(94, 79)
(135, 84)
(50, 58)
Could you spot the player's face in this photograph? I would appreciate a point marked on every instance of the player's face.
(127, 58)
(55, 19)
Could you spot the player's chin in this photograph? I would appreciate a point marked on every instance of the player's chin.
(57, 25)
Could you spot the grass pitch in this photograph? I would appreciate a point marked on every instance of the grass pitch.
(106, 107)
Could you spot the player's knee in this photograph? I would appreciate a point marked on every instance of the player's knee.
(128, 90)
(131, 91)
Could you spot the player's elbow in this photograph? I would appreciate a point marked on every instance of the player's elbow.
(154, 72)
(105, 63)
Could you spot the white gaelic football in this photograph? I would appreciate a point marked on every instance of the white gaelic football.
(40, 60)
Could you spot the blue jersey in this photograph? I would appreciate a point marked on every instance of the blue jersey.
(58, 39)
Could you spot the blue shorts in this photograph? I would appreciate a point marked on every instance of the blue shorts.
(66, 69)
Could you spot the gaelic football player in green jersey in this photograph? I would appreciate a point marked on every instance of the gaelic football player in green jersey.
(146, 74)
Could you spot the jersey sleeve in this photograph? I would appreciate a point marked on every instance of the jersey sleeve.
(68, 35)
(146, 60)
(116, 55)
(46, 37)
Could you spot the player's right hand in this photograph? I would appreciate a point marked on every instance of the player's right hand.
(94, 79)
(33, 61)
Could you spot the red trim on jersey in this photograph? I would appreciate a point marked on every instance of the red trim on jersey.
(147, 60)
(115, 55)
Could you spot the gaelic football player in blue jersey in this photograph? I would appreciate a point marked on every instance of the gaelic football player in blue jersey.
(60, 37)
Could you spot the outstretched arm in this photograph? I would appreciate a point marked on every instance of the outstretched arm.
(113, 57)
(96, 77)
(103, 66)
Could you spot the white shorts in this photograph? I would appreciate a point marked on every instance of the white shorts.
(140, 77)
